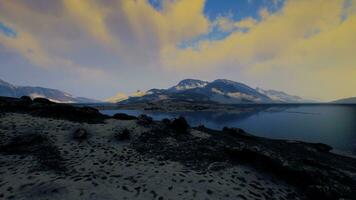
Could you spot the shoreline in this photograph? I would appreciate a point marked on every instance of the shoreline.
(96, 156)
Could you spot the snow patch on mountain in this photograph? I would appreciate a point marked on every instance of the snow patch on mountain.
(220, 91)
(117, 98)
(188, 84)
(280, 96)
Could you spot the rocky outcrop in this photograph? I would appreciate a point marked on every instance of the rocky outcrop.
(123, 116)
(44, 108)
(180, 125)
(123, 135)
(318, 173)
(323, 175)
(37, 145)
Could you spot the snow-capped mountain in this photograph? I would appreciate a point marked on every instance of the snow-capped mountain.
(187, 84)
(117, 98)
(121, 96)
(9, 90)
(220, 91)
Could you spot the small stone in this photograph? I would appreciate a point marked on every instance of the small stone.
(123, 135)
(216, 166)
(80, 134)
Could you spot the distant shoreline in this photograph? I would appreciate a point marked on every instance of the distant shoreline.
(160, 106)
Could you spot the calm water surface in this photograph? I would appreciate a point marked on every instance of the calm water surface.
(330, 124)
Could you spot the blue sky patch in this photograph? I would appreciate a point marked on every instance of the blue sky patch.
(156, 4)
(347, 5)
(236, 10)
(215, 34)
(7, 31)
(240, 9)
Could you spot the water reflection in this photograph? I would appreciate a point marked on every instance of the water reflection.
(331, 124)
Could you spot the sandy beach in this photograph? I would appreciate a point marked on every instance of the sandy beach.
(103, 168)
(46, 152)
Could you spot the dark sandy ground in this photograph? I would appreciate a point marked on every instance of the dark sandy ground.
(50, 151)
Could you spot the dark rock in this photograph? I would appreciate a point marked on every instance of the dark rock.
(36, 145)
(68, 112)
(166, 121)
(216, 166)
(322, 192)
(322, 147)
(80, 134)
(310, 167)
(89, 109)
(202, 127)
(9, 104)
(123, 135)
(41, 100)
(44, 108)
(144, 120)
(237, 132)
(123, 116)
(180, 125)
(26, 99)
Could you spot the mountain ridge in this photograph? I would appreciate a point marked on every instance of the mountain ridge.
(349, 100)
(222, 91)
(55, 95)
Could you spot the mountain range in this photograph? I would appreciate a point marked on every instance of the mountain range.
(10, 90)
(351, 100)
(219, 91)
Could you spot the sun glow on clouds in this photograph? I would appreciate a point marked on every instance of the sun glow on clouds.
(309, 40)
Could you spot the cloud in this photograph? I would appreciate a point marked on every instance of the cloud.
(176, 21)
(310, 41)
(91, 16)
(30, 42)
(305, 37)
(227, 24)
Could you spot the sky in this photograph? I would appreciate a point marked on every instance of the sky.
(97, 48)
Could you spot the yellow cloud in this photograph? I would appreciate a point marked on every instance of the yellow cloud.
(306, 36)
(27, 46)
(311, 41)
(29, 42)
(226, 23)
(91, 16)
(178, 20)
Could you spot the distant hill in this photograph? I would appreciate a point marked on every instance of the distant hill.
(351, 100)
(219, 91)
(282, 96)
(9, 90)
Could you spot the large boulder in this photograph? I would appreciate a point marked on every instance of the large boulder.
(123, 116)
(237, 132)
(36, 145)
(144, 120)
(26, 99)
(41, 100)
(180, 125)
(123, 135)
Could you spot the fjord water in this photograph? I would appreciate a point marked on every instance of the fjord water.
(330, 124)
